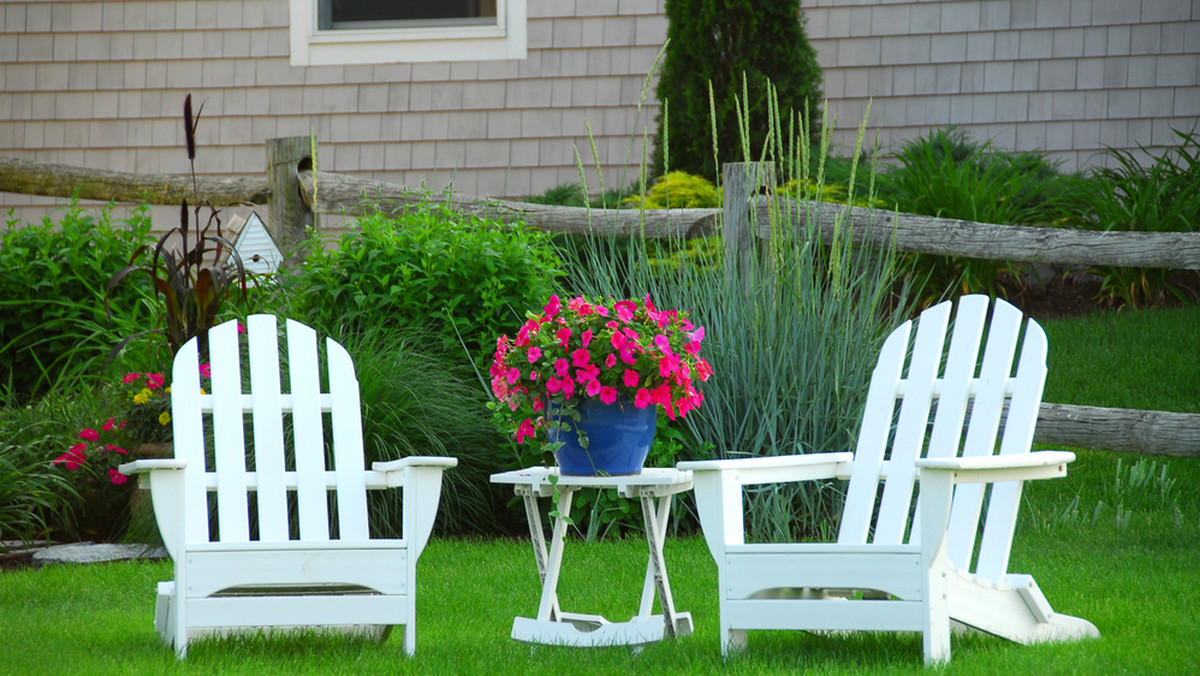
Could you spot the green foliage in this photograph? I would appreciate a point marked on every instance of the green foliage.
(949, 175)
(417, 402)
(792, 338)
(65, 505)
(33, 495)
(1162, 196)
(733, 49)
(678, 190)
(52, 280)
(467, 279)
(565, 195)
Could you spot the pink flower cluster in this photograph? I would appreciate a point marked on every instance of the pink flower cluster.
(77, 455)
(109, 441)
(626, 350)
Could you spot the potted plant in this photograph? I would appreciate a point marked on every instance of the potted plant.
(587, 380)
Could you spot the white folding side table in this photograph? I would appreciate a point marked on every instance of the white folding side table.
(654, 488)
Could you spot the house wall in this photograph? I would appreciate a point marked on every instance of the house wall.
(1070, 77)
(101, 84)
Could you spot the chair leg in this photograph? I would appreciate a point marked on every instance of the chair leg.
(732, 641)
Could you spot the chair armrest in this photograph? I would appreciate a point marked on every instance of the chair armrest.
(718, 488)
(776, 468)
(145, 466)
(414, 461)
(992, 468)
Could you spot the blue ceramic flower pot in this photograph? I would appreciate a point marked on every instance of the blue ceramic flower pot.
(619, 437)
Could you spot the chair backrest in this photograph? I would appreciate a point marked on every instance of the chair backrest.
(243, 411)
(938, 398)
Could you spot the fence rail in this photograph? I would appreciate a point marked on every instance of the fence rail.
(290, 176)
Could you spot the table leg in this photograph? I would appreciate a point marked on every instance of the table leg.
(656, 518)
(548, 609)
(533, 517)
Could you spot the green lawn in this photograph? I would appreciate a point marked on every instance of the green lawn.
(1116, 542)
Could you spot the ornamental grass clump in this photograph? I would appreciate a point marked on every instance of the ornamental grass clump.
(626, 352)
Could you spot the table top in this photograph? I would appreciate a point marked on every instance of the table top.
(537, 477)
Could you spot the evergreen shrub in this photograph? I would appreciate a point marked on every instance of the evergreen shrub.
(740, 48)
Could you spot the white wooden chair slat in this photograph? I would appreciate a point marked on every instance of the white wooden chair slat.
(956, 386)
(228, 434)
(983, 428)
(872, 440)
(267, 407)
(347, 444)
(255, 578)
(787, 585)
(187, 422)
(912, 425)
(308, 432)
(996, 543)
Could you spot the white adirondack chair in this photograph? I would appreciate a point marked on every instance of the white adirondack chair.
(917, 569)
(291, 546)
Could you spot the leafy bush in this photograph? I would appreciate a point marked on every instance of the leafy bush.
(465, 278)
(52, 280)
(721, 58)
(33, 495)
(678, 190)
(415, 402)
(949, 175)
(1163, 196)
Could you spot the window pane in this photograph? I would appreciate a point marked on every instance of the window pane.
(342, 11)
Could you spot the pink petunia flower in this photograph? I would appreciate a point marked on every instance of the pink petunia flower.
(109, 426)
(608, 394)
(525, 430)
(552, 307)
(625, 310)
(154, 381)
(535, 353)
(610, 361)
(642, 398)
(593, 388)
(206, 368)
(116, 477)
(581, 357)
(564, 336)
(89, 434)
(131, 378)
(561, 367)
(630, 378)
(586, 337)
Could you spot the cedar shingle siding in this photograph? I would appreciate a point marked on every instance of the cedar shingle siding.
(101, 84)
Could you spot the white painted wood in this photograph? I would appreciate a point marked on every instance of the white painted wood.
(268, 429)
(654, 488)
(263, 579)
(923, 582)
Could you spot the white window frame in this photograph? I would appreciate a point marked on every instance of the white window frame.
(416, 44)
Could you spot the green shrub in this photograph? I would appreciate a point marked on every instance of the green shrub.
(949, 175)
(464, 278)
(52, 281)
(33, 495)
(735, 49)
(1162, 196)
(678, 190)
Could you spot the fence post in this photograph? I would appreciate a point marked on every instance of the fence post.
(290, 216)
(741, 184)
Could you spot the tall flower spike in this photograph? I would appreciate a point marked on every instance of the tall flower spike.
(189, 127)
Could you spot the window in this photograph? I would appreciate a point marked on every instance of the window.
(344, 32)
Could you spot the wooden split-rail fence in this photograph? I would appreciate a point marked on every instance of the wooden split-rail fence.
(295, 194)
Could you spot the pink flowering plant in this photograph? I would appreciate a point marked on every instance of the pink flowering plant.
(147, 420)
(626, 352)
